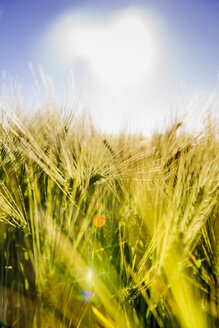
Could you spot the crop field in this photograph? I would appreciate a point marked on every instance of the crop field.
(107, 231)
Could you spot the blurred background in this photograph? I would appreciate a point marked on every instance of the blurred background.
(134, 65)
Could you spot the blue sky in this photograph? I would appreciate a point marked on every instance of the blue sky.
(188, 30)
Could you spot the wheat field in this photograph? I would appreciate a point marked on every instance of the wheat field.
(107, 231)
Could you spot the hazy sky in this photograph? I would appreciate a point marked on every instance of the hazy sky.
(178, 39)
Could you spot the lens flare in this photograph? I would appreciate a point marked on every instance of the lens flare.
(89, 275)
(99, 221)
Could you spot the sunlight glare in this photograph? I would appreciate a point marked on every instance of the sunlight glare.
(119, 51)
(89, 275)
